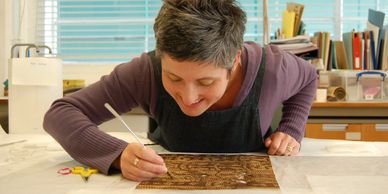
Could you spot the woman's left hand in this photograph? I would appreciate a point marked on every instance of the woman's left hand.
(281, 144)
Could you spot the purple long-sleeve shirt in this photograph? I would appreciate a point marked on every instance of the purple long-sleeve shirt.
(73, 120)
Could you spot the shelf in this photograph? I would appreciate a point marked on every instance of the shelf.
(349, 110)
(350, 104)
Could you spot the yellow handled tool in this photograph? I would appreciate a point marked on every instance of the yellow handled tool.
(85, 173)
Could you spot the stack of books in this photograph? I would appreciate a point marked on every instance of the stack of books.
(299, 45)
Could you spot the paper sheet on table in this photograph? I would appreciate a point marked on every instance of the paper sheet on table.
(351, 147)
(292, 172)
(38, 176)
(348, 184)
(2, 132)
(345, 148)
(35, 71)
(7, 140)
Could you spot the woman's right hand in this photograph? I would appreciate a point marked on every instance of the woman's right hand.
(139, 163)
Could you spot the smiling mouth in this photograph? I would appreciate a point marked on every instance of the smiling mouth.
(195, 103)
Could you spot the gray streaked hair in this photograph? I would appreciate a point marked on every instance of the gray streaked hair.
(209, 31)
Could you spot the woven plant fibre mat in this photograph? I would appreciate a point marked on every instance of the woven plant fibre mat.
(214, 172)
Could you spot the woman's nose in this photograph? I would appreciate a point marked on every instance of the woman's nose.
(189, 95)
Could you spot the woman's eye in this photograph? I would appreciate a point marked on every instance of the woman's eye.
(206, 82)
(173, 78)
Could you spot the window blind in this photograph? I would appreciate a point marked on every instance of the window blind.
(114, 31)
(100, 31)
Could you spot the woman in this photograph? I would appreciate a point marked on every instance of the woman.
(207, 90)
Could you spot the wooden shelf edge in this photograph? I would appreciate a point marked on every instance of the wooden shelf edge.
(350, 104)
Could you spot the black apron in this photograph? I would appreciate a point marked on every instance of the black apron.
(232, 130)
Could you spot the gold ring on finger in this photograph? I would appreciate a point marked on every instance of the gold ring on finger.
(136, 161)
(289, 148)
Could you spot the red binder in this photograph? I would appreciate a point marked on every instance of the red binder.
(357, 59)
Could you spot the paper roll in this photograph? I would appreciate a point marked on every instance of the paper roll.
(336, 94)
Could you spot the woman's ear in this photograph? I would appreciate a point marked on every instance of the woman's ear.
(237, 60)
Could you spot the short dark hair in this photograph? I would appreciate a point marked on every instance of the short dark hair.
(200, 30)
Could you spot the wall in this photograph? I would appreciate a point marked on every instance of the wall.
(90, 73)
(2, 37)
(5, 39)
(15, 28)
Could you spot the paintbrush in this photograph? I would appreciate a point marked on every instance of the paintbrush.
(109, 107)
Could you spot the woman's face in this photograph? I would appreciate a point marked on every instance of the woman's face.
(195, 86)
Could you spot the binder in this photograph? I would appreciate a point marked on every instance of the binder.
(318, 36)
(298, 10)
(340, 53)
(376, 22)
(332, 64)
(347, 39)
(326, 47)
(373, 50)
(357, 61)
(366, 51)
(376, 17)
(385, 51)
(288, 23)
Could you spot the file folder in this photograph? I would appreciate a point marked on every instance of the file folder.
(288, 23)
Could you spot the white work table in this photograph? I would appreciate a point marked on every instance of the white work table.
(30, 164)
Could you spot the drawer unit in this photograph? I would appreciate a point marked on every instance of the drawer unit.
(348, 131)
